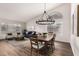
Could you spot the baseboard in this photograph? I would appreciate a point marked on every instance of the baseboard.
(62, 42)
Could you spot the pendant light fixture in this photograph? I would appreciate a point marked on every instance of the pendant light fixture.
(45, 19)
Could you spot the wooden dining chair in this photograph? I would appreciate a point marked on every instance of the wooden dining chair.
(36, 45)
(51, 42)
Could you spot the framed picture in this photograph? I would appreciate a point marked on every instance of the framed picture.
(73, 24)
(78, 20)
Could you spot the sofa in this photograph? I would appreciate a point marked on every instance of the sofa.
(16, 36)
(29, 34)
(9, 36)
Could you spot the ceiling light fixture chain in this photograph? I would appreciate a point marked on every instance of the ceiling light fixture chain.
(44, 6)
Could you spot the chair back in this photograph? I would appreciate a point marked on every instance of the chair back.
(53, 38)
(34, 41)
(18, 33)
(9, 33)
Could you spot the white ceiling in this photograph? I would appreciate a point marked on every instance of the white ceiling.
(23, 11)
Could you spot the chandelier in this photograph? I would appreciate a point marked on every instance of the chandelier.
(45, 19)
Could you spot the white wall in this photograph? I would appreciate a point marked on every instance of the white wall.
(11, 25)
(74, 39)
(65, 9)
(65, 30)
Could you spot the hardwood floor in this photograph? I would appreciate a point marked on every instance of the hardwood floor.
(22, 48)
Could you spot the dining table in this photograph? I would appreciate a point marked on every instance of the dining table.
(45, 38)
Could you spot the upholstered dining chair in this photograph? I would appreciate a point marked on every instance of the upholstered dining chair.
(51, 43)
(19, 36)
(36, 45)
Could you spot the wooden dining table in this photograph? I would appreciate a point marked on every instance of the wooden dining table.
(46, 38)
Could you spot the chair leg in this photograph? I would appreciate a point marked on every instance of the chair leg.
(37, 52)
(54, 47)
(31, 52)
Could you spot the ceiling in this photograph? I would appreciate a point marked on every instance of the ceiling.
(23, 11)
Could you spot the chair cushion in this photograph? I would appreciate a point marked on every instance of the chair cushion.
(40, 46)
(30, 32)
